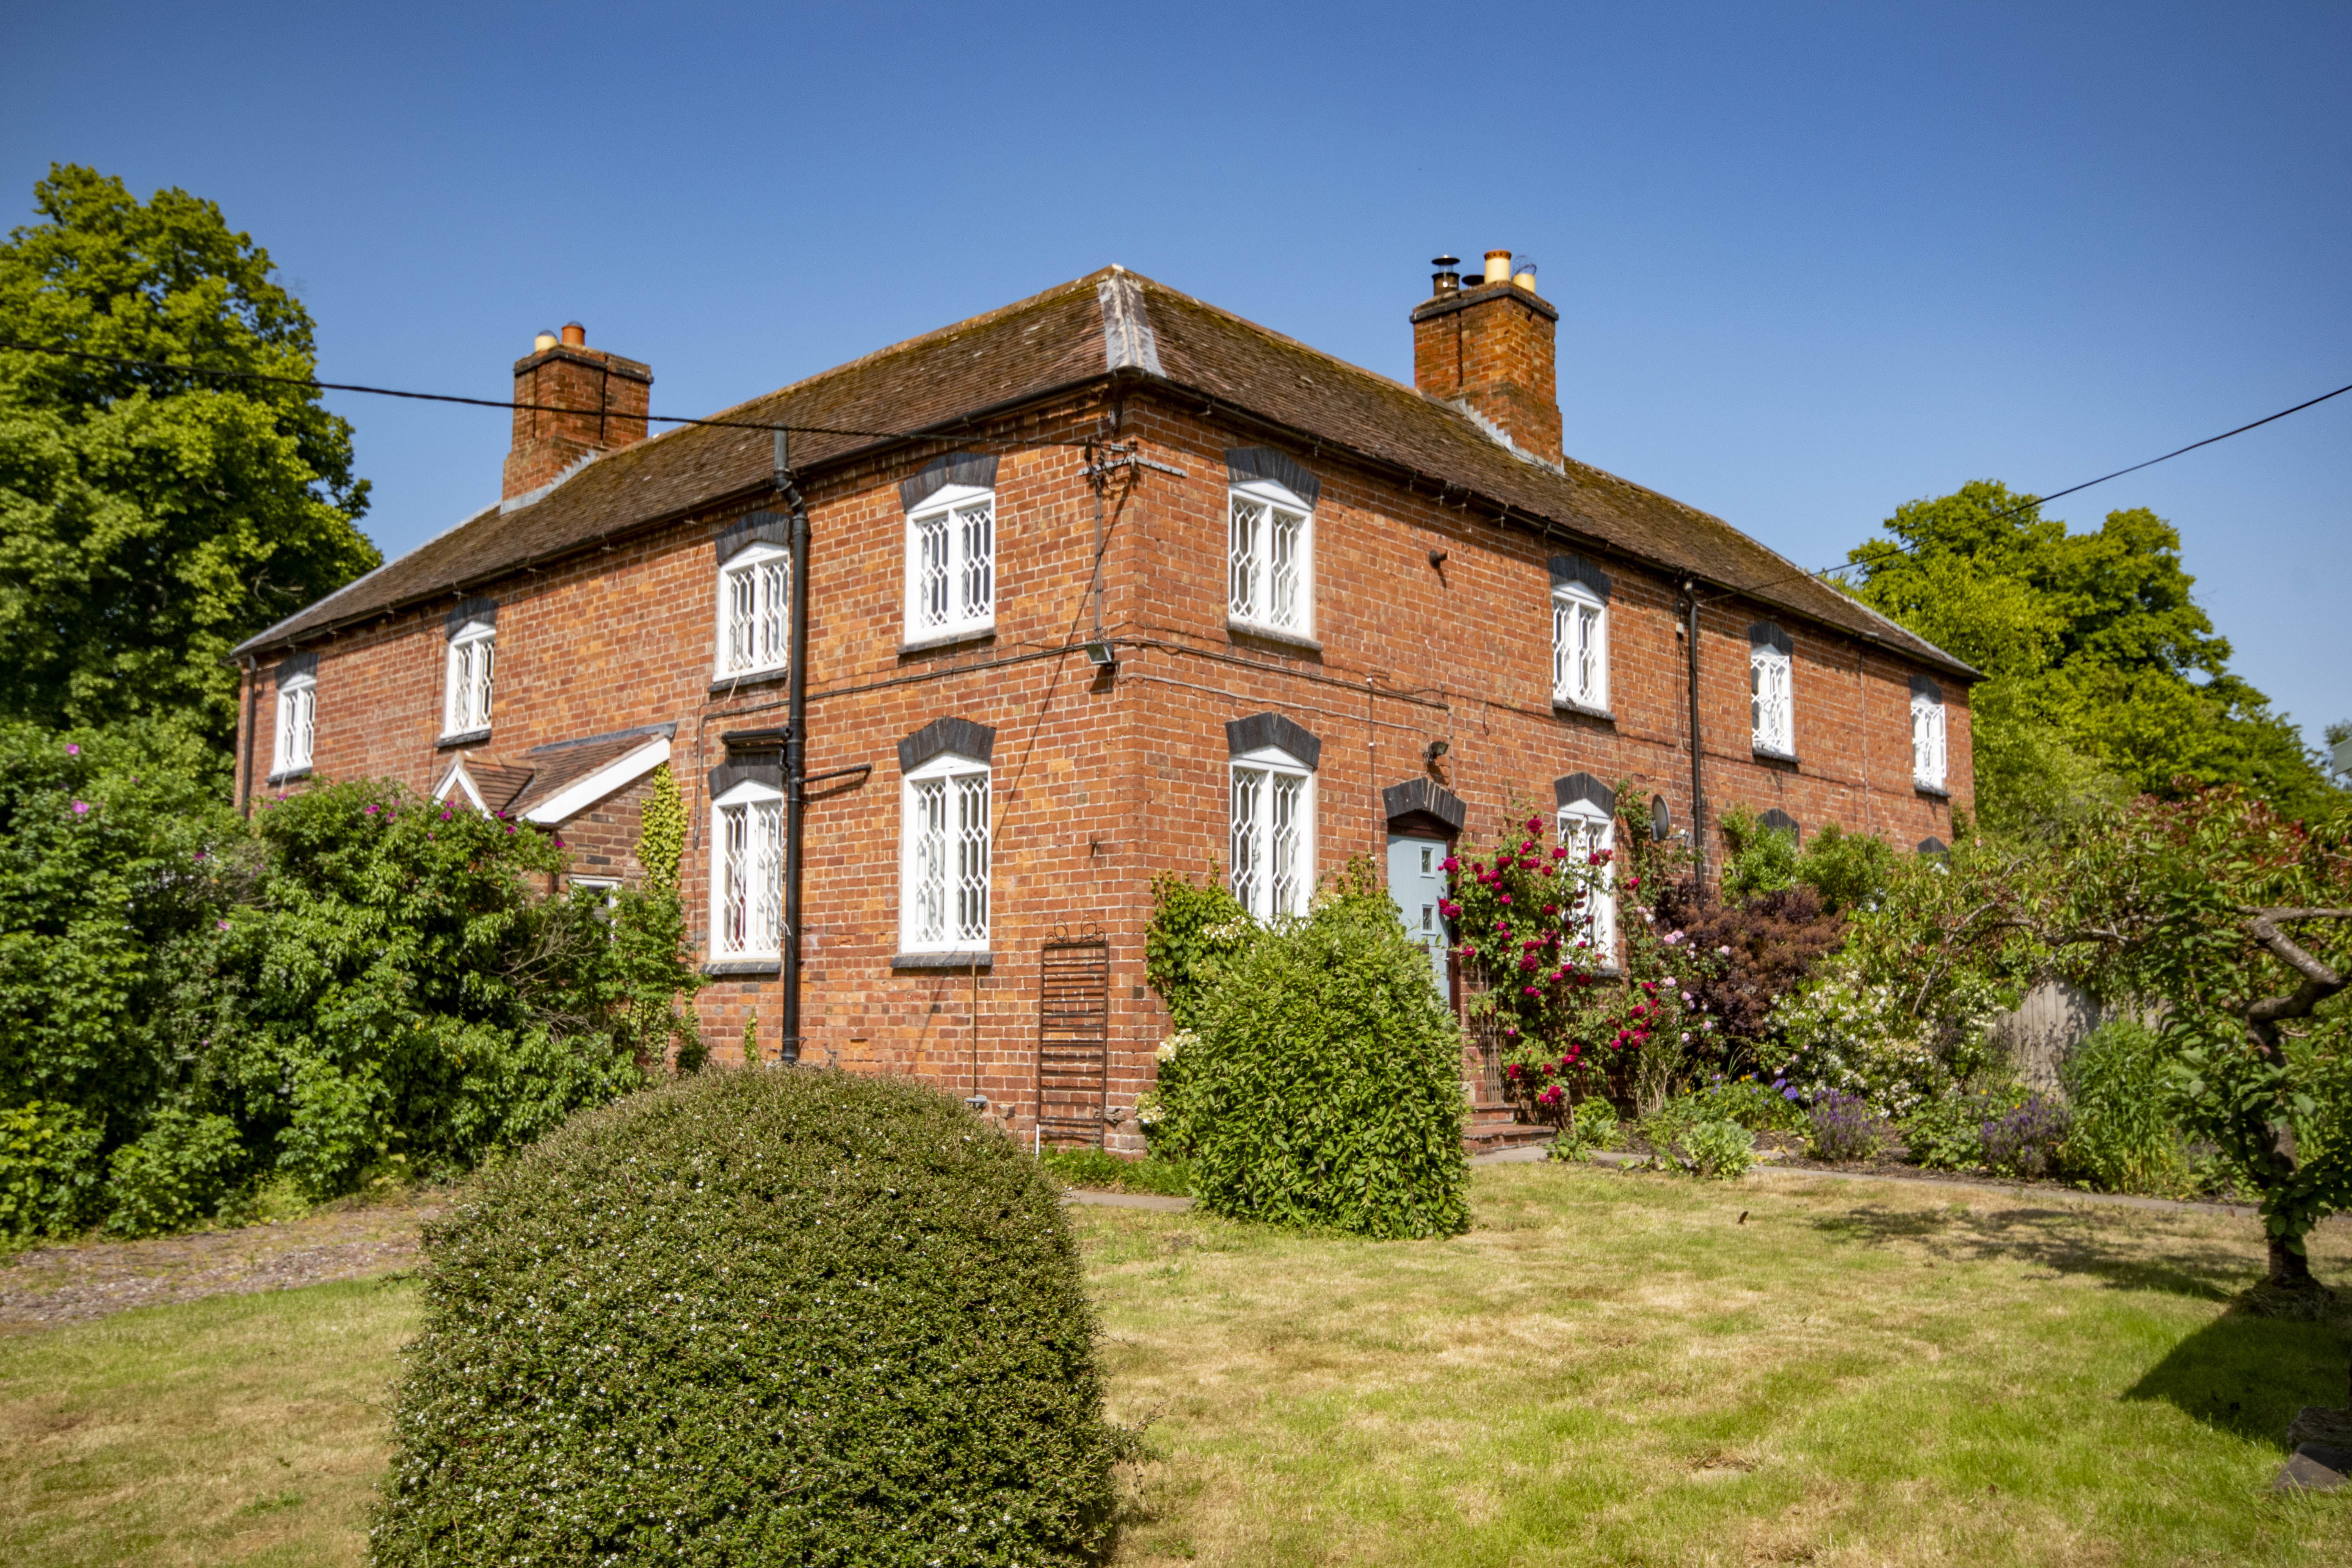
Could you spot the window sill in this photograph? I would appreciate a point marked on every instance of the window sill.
(742, 967)
(1766, 754)
(979, 959)
(938, 642)
(288, 776)
(721, 685)
(1939, 790)
(1564, 709)
(1269, 634)
(465, 738)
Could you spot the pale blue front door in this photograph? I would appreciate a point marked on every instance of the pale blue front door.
(1417, 883)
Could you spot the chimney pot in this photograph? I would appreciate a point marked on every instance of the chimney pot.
(1492, 351)
(570, 405)
(1524, 275)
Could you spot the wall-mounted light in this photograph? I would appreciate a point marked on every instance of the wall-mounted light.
(1437, 558)
(1436, 750)
(1102, 656)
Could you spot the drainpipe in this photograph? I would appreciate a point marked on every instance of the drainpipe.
(252, 697)
(795, 754)
(1698, 782)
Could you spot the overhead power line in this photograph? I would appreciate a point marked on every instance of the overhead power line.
(315, 386)
(2029, 502)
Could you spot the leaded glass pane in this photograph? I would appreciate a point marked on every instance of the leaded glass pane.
(734, 887)
(1288, 793)
(976, 537)
(1249, 518)
(1249, 787)
(972, 859)
(931, 572)
(931, 852)
(765, 896)
(1289, 531)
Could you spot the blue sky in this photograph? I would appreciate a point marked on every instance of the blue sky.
(1812, 260)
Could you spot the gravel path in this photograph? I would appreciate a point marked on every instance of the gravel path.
(63, 1282)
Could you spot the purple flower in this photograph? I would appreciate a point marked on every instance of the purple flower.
(223, 924)
(81, 808)
(73, 750)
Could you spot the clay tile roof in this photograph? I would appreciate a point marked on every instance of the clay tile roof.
(498, 783)
(561, 763)
(1057, 340)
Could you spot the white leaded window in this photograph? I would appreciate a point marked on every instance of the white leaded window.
(1927, 736)
(1769, 699)
(1579, 646)
(943, 883)
(467, 692)
(298, 708)
(1273, 833)
(1270, 559)
(1587, 830)
(747, 879)
(755, 611)
(952, 564)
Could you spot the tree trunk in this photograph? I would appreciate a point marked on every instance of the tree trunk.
(2290, 1269)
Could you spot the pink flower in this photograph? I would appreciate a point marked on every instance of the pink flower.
(73, 750)
(1504, 899)
(1528, 990)
(81, 808)
(1450, 864)
(222, 924)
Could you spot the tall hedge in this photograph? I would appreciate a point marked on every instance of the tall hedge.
(780, 1315)
(1324, 1084)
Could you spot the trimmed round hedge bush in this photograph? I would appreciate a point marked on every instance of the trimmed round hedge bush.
(777, 1316)
(1323, 1088)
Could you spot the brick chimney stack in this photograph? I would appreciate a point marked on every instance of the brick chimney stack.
(605, 398)
(1488, 342)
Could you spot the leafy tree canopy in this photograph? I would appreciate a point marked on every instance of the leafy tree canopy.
(148, 520)
(2105, 677)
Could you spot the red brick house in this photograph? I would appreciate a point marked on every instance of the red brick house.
(1104, 584)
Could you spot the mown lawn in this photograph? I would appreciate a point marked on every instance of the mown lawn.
(1611, 1369)
(1614, 1369)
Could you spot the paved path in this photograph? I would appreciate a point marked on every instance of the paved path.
(1927, 1179)
(1530, 1156)
(1127, 1200)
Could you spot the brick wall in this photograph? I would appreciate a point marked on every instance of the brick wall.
(1101, 780)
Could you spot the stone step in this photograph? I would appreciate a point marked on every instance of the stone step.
(1486, 1139)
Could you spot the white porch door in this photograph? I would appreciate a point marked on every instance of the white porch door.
(1417, 884)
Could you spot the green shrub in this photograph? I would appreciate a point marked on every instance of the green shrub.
(49, 1170)
(1849, 871)
(1591, 1125)
(1946, 1131)
(1196, 930)
(1757, 1106)
(779, 1315)
(1758, 859)
(174, 1173)
(1716, 1150)
(2123, 1138)
(1161, 1173)
(1326, 1090)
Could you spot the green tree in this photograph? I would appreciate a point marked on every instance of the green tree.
(2106, 678)
(152, 519)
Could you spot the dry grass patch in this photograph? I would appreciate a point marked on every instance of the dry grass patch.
(245, 1428)
(1610, 1368)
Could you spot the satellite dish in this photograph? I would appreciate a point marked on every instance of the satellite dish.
(1661, 820)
